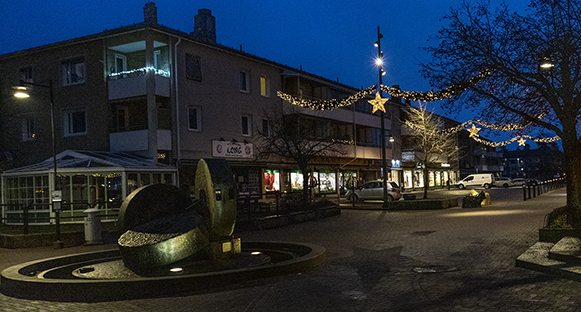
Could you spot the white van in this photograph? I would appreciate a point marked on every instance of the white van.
(485, 180)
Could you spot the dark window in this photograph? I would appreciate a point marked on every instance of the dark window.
(193, 70)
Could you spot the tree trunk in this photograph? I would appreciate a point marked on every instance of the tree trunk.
(426, 181)
(572, 157)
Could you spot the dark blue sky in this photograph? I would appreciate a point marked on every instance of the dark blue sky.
(332, 39)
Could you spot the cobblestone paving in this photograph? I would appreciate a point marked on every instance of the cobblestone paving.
(444, 260)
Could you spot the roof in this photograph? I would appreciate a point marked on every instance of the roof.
(91, 161)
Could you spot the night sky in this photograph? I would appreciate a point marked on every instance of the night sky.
(332, 39)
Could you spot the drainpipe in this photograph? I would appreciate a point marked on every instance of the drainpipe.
(177, 106)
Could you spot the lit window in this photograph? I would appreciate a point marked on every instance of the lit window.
(75, 122)
(246, 125)
(28, 131)
(194, 119)
(244, 82)
(264, 88)
(73, 72)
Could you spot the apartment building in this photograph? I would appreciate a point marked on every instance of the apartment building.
(172, 98)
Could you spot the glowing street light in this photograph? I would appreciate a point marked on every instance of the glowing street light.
(21, 92)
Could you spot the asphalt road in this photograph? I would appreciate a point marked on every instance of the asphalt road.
(439, 260)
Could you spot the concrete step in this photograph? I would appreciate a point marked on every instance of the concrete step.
(567, 250)
(538, 258)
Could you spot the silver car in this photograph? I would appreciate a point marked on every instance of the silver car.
(504, 182)
(374, 190)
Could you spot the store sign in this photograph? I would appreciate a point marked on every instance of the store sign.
(395, 164)
(230, 149)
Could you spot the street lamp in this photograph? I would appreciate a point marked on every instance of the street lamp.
(21, 92)
(379, 63)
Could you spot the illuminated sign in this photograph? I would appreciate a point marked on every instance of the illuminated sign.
(230, 149)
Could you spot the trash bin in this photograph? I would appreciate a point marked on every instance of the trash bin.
(93, 226)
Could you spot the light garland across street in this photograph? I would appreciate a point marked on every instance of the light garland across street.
(428, 97)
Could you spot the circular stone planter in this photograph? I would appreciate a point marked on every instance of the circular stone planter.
(99, 276)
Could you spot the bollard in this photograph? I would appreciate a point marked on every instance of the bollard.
(534, 190)
(529, 190)
(524, 192)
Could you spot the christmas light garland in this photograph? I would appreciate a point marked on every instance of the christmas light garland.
(326, 105)
(159, 72)
(426, 97)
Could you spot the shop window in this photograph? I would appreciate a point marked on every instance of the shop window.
(271, 180)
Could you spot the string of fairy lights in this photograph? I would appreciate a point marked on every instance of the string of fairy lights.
(428, 96)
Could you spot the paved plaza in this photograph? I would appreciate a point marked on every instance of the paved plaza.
(454, 259)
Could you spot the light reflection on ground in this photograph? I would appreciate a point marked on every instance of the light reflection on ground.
(485, 213)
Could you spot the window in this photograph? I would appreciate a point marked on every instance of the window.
(73, 72)
(265, 127)
(28, 131)
(25, 74)
(246, 125)
(157, 59)
(244, 82)
(194, 119)
(120, 63)
(122, 119)
(75, 122)
(264, 87)
(193, 70)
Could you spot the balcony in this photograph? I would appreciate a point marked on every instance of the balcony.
(127, 86)
(134, 141)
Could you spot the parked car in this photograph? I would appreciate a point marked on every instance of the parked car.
(532, 182)
(374, 190)
(518, 181)
(504, 182)
(485, 180)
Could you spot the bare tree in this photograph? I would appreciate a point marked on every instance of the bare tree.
(299, 138)
(532, 67)
(425, 135)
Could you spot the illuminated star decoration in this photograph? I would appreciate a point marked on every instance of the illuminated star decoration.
(473, 131)
(378, 103)
(521, 142)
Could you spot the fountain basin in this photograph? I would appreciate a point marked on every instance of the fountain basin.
(101, 276)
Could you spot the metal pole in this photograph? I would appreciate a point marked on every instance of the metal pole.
(383, 160)
(58, 243)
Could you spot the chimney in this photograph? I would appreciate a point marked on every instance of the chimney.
(205, 26)
(150, 13)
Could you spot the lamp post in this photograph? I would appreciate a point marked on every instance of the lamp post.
(21, 93)
(379, 63)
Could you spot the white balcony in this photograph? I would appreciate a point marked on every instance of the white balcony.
(126, 87)
(133, 141)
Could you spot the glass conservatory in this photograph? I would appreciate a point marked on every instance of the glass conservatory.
(86, 179)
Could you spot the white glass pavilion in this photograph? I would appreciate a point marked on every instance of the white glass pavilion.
(87, 179)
